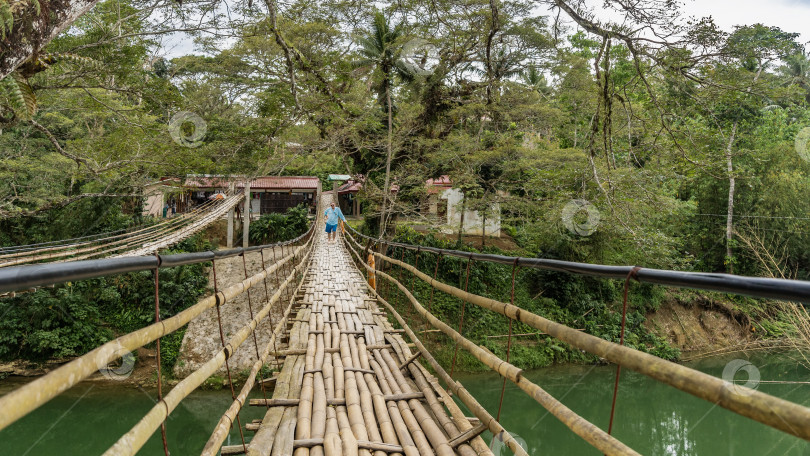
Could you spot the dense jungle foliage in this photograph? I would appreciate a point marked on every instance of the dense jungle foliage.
(72, 319)
(687, 143)
(592, 305)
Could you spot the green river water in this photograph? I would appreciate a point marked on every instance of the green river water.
(651, 418)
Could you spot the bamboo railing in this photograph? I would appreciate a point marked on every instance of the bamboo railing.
(184, 232)
(343, 388)
(778, 413)
(68, 249)
(32, 395)
(588, 431)
(132, 441)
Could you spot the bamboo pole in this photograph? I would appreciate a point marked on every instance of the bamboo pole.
(387, 432)
(226, 421)
(133, 440)
(314, 443)
(28, 397)
(585, 429)
(407, 440)
(778, 413)
(283, 443)
(467, 435)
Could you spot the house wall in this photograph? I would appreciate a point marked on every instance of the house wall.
(433, 205)
(472, 219)
(154, 205)
(155, 199)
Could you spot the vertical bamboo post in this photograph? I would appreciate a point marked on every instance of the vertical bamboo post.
(509, 339)
(246, 225)
(157, 352)
(231, 189)
(461, 318)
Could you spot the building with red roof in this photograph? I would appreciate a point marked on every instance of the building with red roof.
(268, 193)
(347, 192)
(447, 204)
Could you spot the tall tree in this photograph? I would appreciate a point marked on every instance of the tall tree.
(381, 49)
(753, 48)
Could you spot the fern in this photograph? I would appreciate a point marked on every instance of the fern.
(29, 107)
(64, 57)
(12, 91)
(21, 97)
(22, 100)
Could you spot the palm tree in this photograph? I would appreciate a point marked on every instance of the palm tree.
(381, 49)
(797, 70)
(536, 80)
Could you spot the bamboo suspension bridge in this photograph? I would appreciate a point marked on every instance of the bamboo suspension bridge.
(136, 242)
(350, 373)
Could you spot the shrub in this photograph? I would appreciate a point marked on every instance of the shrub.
(275, 227)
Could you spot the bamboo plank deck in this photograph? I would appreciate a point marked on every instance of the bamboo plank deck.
(349, 383)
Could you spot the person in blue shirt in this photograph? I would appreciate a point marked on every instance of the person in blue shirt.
(332, 214)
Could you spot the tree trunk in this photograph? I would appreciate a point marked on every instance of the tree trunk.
(31, 32)
(461, 223)
(731, 187)
(484, 230)
(386, 190)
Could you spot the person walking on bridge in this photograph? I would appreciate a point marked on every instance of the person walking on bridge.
(332, 214)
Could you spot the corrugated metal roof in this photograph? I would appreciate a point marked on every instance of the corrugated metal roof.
(443, 180)
(354, 187)
(350, 187)
(264, 183)
(284, 182)
(206, 181)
